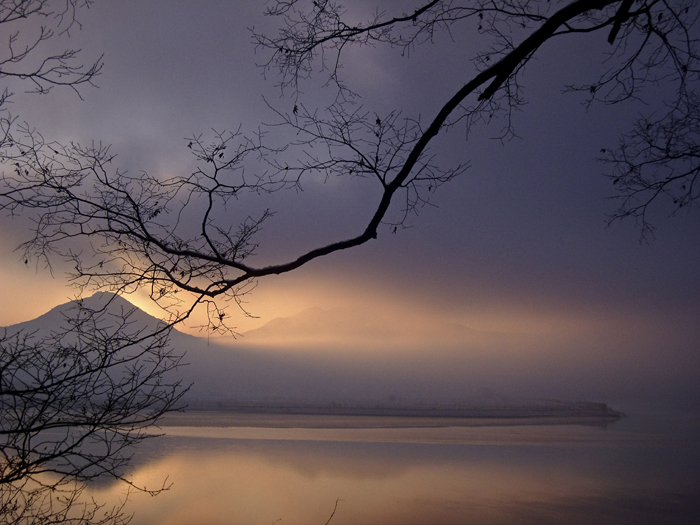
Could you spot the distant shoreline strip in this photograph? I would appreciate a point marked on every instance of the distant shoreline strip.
(275, 415)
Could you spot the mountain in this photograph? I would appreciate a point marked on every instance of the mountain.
(285, 369)
(343, 357)
(55, 319)
(343, 325)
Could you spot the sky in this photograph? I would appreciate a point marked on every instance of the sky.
(518, 244)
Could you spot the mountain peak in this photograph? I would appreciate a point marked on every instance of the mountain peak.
(55, 320)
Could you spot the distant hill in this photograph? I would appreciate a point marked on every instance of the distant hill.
(340, 357)
(352, 325)
(276, 364)
(315, 325)
(55, 319)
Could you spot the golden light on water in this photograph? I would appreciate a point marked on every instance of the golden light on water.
(243, 482)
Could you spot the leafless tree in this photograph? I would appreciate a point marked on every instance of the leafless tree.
(177, 237)
(660, 157)
(139, 227)
(75, 401)
(28, 23)
(651, 42)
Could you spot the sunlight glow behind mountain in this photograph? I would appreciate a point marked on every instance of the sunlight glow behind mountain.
(352, 356)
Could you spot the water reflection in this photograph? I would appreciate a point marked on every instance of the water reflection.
(508, 475)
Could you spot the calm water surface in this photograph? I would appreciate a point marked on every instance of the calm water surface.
(640, 470)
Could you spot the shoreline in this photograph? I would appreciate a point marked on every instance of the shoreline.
(281, 416)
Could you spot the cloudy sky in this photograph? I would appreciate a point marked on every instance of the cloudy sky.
(519, 243)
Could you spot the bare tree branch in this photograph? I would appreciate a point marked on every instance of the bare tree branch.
(29, 24)
(180, 238)
(73, 403)
(135, 224)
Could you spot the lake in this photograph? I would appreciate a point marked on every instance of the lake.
(643, 469)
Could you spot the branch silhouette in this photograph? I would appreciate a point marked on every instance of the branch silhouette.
(184, 238)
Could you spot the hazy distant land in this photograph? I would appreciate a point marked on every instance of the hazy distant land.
(284, 416)
(464, 377)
